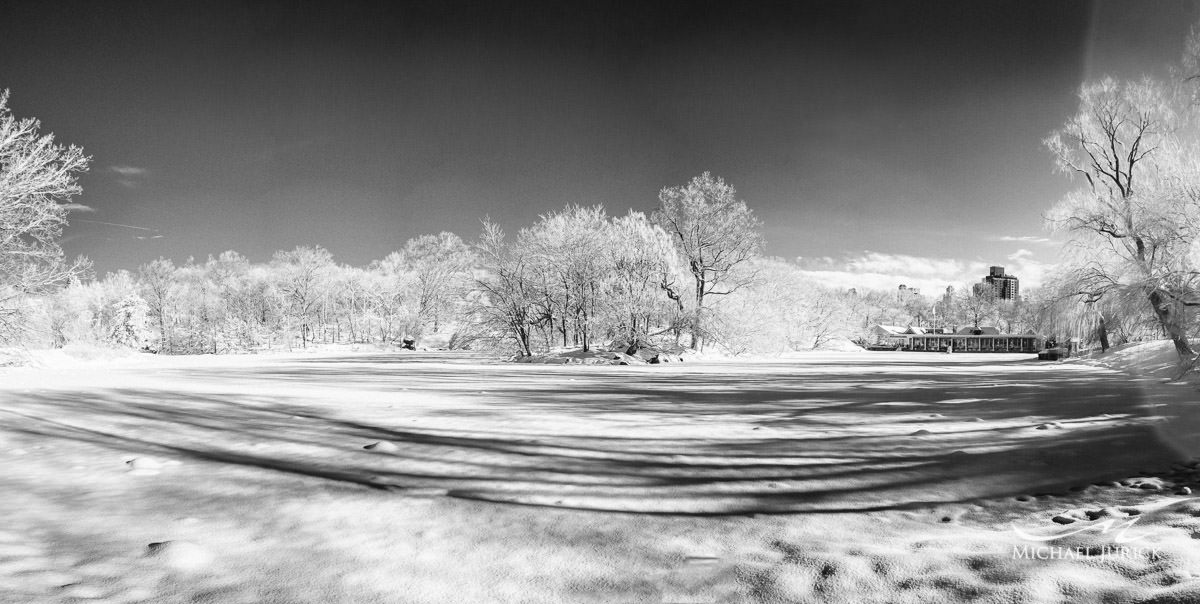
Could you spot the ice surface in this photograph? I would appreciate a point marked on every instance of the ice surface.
(865, 477)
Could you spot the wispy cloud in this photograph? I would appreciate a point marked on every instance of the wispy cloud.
(78, 207)
(129, 176)
(127, 170)
(1023, 239)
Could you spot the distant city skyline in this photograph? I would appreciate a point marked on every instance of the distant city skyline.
(881, 143)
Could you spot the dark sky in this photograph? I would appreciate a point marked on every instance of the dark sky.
(903, 129)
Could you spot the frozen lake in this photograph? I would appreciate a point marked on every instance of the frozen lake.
(616, 479)
(829, 433)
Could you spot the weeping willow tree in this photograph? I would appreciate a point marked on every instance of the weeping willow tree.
(1134, 218)
(1108, 316)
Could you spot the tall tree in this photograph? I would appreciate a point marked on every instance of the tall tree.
(715, 233)
(642, 262)
(566, 249)
(304, 277)
(38, 178)
(157, 280)
(1133, 219)
(977, 307)
(440, 266)
(508, 288)
(390, 298)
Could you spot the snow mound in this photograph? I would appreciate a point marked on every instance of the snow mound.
(1156, 359)
(840, 344)
(148, 466)
(382, 446)
(182, 556)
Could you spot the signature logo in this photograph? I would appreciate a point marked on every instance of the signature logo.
(1119, 527)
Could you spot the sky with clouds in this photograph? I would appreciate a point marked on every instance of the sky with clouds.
(931, 275)
(880, 142)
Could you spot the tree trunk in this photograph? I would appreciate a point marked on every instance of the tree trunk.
(697, 325)
(1171, 322)
(1103, 333)
(164, 344)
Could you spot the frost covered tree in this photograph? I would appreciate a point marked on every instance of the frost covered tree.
(390, 302)
(108, 312)
(226, 303)
(1133, 219)
(348, 301)
(247, 305)
(643, 266)
(38, 178)
(783, 311)
(919, 309)
(715, 233)
(157, 280)
(577, 277)
(303, 278)
(440, 268)
(976, 308)
(567, 254)
(130, 323)
(508, 289)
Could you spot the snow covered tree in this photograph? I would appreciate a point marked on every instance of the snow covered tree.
(578, 278)
(440, 266)
(508, 288)
(390, 301)
(567, 252)
(715, 233)
(977, 308)
(783, 311)
(108, 312)
(643, 265)
(157, 280)
(38, 178)
(1134, 218)
(303, 276)
(130, 325)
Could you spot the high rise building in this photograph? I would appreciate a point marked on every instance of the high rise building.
(905, 292)
(1002, 286)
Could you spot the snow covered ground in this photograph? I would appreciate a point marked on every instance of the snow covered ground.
(847, 477)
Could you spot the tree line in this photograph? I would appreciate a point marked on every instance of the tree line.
(577, 277)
